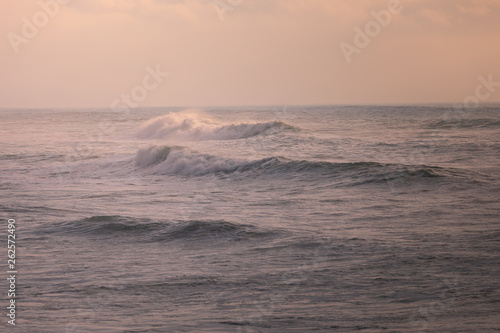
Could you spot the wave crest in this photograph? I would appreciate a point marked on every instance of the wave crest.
(465, 123)
(192, 125)
(161, 160)
(157, 231)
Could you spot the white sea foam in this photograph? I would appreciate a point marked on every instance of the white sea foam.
(194, 125)
(178, 160)
(175, 160)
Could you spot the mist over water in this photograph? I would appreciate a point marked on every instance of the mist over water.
(334, 219)
(195, 125)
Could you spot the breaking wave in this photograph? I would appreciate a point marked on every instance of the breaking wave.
(192, 125)
(166, 160)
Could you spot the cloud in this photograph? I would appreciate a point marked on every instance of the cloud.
(263, 52)
(457, 14)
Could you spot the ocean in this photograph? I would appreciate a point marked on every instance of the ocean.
(253, 219)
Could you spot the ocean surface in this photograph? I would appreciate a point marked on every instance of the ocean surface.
(253, 219)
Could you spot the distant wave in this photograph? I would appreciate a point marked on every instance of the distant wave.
(155, 231)
(166, 160)
(465, 123)
(192, 125)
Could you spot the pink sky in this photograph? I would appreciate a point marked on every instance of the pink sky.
(263, 52)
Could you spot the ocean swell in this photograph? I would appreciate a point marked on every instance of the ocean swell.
(464, 123)
(167, 160)
(195, 126)
(156, 231)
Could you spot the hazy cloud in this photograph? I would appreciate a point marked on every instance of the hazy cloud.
(263, 52)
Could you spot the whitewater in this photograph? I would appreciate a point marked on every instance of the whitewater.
(254, 219)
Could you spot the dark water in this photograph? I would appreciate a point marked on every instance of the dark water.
(294, 219)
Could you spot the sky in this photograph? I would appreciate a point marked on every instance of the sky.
(139, 53)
